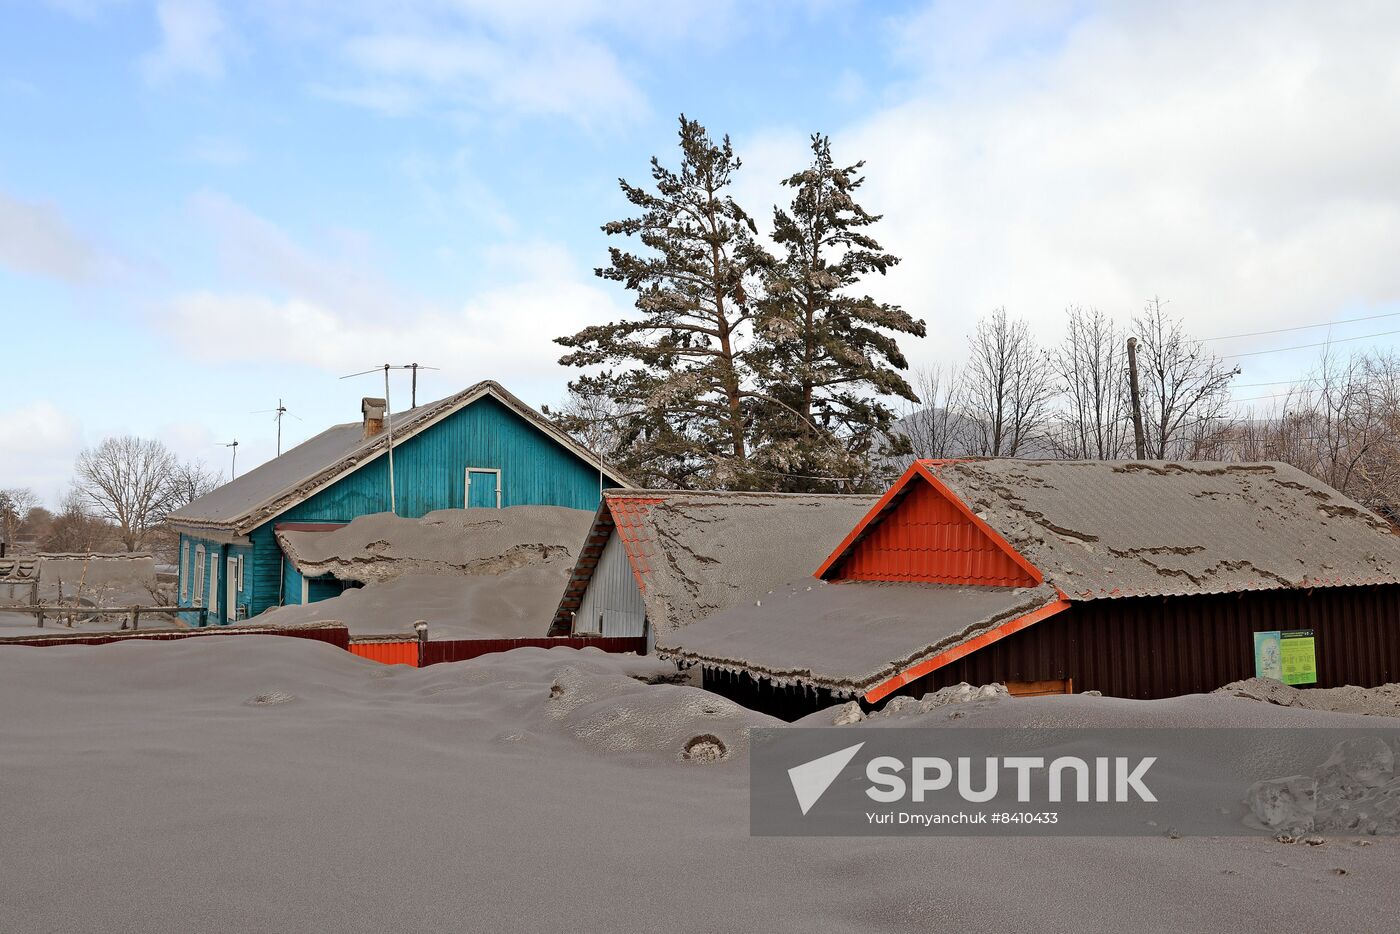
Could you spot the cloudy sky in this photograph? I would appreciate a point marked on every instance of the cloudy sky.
(205, 206)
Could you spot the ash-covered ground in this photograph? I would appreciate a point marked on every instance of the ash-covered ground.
(259, 783)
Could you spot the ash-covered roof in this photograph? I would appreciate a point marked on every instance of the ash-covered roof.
(1123, 528)
(271, 488)
(382, 546)
(696, 553)
(851, 636)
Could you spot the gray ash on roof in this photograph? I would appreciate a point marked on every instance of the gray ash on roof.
(383, 546)
(716, 550)
(1126, 528)
(848, 636)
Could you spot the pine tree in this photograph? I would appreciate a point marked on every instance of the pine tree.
(678, 371)
(828, 356)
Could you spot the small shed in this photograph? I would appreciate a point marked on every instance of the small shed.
(1135, 579)
(657, 560)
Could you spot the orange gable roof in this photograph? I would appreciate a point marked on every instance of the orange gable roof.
(921, 531)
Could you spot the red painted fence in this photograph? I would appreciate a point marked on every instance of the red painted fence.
(404, 651)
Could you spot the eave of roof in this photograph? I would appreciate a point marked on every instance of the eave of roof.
(857, 637)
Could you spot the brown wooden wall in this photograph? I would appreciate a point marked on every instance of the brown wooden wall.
(1150, 648)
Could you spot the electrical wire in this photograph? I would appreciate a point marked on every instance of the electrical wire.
(1339, 340)
(1302, 327)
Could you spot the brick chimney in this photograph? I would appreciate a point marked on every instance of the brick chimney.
(373, 411)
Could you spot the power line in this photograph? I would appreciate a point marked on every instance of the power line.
(1301, 327)
(1340, 340)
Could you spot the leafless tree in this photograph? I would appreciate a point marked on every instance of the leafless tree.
(593, 418)
(934, 429)
(1093, 423)
(1341, 424)
(74, 530)
(1185, 390)
(15, 504)
(189, 480)
(127, 480)
(1007, 388)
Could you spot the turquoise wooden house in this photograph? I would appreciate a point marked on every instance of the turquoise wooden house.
(482, 448)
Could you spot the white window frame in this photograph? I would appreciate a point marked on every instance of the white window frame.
(197, 582)
(186, 570)
(467, 492)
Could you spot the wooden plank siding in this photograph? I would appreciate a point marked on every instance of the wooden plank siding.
(216, 601)
(430, 473)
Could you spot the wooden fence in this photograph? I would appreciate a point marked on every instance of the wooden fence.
(336, 635)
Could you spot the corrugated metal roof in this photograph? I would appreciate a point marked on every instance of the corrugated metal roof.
(849, 636)
(695, 553)
(269, 489)
(1103, 529)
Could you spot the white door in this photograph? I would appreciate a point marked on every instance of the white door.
(231, 605)
(483, 488)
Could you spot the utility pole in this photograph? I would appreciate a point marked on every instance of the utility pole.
(413, 399)
(1137, 400)
(389, 427)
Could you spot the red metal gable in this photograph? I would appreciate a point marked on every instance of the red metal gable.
(630, 519)
(920, 531)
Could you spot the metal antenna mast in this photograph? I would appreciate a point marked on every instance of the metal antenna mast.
(388, 421)
(278, 412)
(233, 468)
(415, 367)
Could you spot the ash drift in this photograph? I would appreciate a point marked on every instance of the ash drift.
(469, 573)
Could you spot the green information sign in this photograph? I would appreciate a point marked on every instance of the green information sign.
(1289, 656)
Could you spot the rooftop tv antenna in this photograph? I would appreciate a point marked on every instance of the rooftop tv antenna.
(278, 412)
(233, 468)
(388, 421)
(415, 367)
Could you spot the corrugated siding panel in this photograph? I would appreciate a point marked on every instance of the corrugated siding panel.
(612, 596)
(430, 472)
(926, 538)
(388, 653)
(1148, 648)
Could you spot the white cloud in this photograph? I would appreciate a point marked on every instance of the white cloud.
(558, 76)
(301, 306)
(505, 333)
(194, 38)
(1244, 163)
(260, 253)
(35, 239)
(218, 152)
(38, 444)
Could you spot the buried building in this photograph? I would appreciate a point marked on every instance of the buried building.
(466, 573)
(481, 448)
(657, 560)
(1135, 579)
